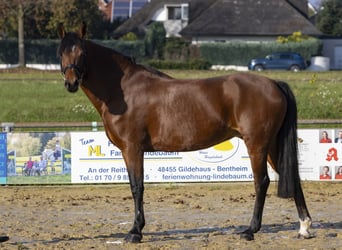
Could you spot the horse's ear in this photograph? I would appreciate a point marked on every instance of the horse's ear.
(83, 30)
(60, 30)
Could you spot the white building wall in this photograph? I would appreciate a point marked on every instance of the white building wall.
(249, 39)
(332, 48)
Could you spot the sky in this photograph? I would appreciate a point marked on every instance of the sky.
(316, 3)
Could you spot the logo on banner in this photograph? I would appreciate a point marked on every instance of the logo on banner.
(95, 150)
(219, 152)
(332, 154)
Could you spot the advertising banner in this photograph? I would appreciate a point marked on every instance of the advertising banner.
(89, 157)
(3, 158)
(319, 158)
(96, 159)
(320, 154)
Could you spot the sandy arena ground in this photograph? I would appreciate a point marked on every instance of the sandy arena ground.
(178, 216)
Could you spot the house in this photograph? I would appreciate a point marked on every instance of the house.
(223, 20)
(231, 20)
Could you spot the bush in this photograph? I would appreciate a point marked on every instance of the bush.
(239, 53)
(130, 36)
(45, 51)
(9, 51)
(195, 64)
(176, 49)
(41, 51)
(36, 51)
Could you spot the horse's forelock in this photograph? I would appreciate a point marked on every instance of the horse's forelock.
(69, 40)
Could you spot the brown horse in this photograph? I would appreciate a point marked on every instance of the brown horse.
(145, 110)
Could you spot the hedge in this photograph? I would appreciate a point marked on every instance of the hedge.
(239, 53)
(45, 51)
(198, 64)
(230, 53)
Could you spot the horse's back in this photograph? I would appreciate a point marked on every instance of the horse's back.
(193, 114)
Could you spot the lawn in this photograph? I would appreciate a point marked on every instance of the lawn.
(39, 96)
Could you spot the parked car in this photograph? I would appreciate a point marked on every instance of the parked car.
(283, 60)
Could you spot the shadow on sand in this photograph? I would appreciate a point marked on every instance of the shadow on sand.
(185, 234)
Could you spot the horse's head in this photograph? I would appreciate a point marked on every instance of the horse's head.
(72, 56)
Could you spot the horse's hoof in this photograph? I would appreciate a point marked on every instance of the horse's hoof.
(4, 238)
(247, 235)
(306, 236)
(133, 238)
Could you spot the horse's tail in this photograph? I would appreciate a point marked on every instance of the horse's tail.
(287, 147)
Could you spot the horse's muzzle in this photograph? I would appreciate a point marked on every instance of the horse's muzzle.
(72, 87)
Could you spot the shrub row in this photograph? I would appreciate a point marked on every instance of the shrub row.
(230, 53)
(36, 51)
(45, 51)
(239, 53)
(190, 64)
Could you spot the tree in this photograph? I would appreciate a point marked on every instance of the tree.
(73, 12)
(155, 40)
(24, 145)
(36, 20)
(39, 19)
(16, 10)
(329, 18)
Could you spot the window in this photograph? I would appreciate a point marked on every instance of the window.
(284, 56)
(178, 12)
(126, 8)
(174, 13)
(185, 12)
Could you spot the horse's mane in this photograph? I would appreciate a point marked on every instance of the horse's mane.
(129, 59)
(155, 71)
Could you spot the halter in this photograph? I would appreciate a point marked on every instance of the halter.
(77, 69)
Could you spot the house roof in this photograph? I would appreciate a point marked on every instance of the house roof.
(249, 17)
(228, 18)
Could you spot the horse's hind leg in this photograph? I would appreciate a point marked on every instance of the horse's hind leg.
(303, 212)
(261, 182)
(4, 238)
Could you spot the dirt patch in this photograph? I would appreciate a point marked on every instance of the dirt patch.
(178, 216)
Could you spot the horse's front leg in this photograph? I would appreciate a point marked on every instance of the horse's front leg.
(134, 163)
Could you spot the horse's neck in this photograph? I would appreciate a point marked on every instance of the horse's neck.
(102, 66)
(103, 78)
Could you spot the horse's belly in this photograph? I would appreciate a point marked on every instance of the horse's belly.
(188, 138)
